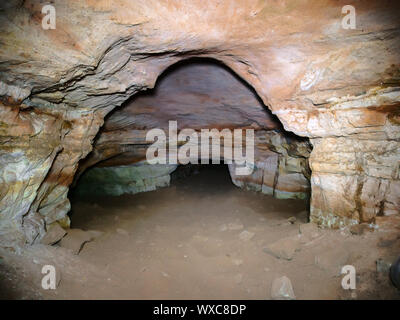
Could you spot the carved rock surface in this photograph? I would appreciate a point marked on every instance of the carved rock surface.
(203, 95)
(339, 87)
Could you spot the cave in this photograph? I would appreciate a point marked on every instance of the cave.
(207, 97)
(161, 150)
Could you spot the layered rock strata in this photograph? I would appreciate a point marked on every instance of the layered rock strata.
(339, 87)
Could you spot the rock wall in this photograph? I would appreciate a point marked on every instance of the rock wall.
(201, 94)
(39, 154)
(280, 167)
(118, 180)
(337, 86)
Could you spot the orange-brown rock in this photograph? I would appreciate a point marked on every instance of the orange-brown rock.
(339, 87)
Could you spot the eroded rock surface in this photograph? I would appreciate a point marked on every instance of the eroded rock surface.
(198, 95)
(118, 180)
(339, 87)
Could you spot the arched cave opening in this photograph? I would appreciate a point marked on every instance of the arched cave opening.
(155, 211)
(121, 193)
(201, 94)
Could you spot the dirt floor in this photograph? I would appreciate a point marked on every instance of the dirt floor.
(203, 238)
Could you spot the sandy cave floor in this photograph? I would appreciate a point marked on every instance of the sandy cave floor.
(187, 242)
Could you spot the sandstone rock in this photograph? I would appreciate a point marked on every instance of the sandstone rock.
(54, 234)
(282, 289)
(351, 200)
(341, 94)
(279, 170)
(118, 180)
(209, 99)
(284, 248)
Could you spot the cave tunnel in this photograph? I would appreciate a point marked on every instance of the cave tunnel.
(188, 216)
(199, 150)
